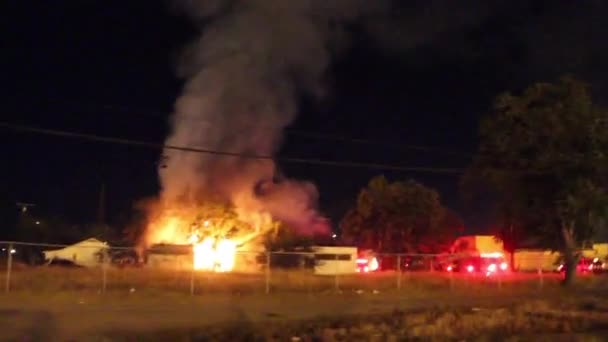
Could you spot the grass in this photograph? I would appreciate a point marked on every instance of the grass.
(153, 305)
(54, 279)
(537, 320)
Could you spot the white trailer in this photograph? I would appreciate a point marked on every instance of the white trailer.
(332, 260)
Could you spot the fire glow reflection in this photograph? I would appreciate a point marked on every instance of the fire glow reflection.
(214, 255)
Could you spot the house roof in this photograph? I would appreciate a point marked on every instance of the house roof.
(170, 249)
(88, 243)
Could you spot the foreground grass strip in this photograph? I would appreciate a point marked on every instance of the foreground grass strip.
(516, 323)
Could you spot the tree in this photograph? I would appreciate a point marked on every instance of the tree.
(397, 217)
(180, 223)
(285, 239)
(35, 228)
(544, 153)
(449, 226)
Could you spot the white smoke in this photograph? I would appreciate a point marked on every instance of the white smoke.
(243, 75)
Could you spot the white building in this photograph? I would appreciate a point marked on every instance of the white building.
(87, 253)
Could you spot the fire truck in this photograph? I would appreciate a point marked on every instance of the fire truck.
(367, 261)
(477, 254)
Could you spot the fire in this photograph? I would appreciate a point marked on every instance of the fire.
(225, 255)
(212, 255)
(214, 233)
(209, 253)
(203, 255)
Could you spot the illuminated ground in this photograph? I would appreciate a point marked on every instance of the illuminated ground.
(87, 314)
(60, 303)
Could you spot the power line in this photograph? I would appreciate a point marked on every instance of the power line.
(138, 143)
(151, 113)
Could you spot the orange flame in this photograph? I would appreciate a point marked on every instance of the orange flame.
(212, 250)
(212, 255)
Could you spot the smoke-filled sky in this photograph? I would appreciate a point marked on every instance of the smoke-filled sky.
(408, 73)
(243, 76)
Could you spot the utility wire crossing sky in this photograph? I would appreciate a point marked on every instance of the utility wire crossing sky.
(122, 141)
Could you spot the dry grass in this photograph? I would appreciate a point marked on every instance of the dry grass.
(532, 321)
(52, 279)
(447, 301)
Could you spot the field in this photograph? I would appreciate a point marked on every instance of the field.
(140, 304)
(55, 279)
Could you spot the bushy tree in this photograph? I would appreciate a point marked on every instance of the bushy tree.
(209, 218)
(290, 245)
(399, 217)
(544, 154)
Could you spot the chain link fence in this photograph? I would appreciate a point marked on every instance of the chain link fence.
(37, 267)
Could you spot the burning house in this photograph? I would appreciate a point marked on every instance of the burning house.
(220, 243)
(243, 77)
(205, 256)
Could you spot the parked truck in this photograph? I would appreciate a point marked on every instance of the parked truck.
(477, 254)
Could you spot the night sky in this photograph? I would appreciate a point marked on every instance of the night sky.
(421, 76)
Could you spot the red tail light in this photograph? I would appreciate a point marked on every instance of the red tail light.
(470, 268)
(504, 266)
(449, 268)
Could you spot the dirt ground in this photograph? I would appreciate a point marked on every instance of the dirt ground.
(77, 316)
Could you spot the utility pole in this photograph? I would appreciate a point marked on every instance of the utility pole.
(22, 227)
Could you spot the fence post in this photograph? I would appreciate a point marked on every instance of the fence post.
(336, 280)
(268, 255)
(398, 271)
(9, 266)
(192, 281)
(540, 277)
(104, 274)
(308, 280)
(451, 276)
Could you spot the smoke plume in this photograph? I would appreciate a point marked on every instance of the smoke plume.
(243, 75)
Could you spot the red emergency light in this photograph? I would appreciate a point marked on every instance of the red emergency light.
(367, 265)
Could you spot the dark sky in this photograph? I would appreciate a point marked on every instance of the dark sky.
(422, 76)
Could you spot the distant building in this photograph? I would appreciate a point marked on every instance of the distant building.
(181, 257)
(528, 260)
(168, 256)
(597, 250)
(87, 253)
(547, 260)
